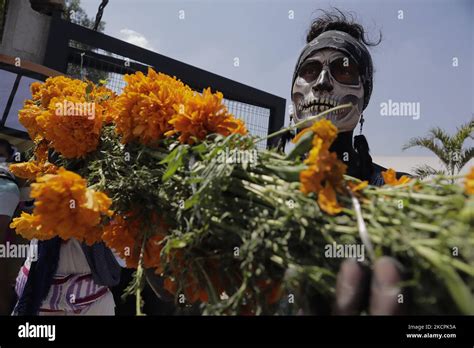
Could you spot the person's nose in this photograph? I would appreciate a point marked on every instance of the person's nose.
(323, 83)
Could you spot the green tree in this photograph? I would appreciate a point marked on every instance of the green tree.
(74, 13)
(451, 150)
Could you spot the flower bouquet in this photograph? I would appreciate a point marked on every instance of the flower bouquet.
(174, 184)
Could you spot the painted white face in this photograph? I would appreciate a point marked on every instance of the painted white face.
(326, 79)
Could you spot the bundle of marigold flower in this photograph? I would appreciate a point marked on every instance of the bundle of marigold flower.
(240, 237)
(259, 221)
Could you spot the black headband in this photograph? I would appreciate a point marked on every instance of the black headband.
(346, 43)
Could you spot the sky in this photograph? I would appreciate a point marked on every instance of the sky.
(426, 55)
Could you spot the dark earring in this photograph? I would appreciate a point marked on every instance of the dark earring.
(361, 123)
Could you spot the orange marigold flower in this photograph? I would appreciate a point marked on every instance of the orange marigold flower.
(37, 167)
(146, 106)
(64, 207)
(469, 183)
(300, 134)
(31, 170)
(327, 200)
(204, 114)
(124, 235)
(68, 113)
(121, 235)
(390, 178)
(325, 130)
(325, 173)
(355, 187)
(323, 166)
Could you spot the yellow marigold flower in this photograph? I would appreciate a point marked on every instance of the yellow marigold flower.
(299, 135)
(37, 167)
(146, 106)
(469, 183)
(311, 180)
(204, 114)
(64, 207)
(67, 113)
(327, 200)
(326, 166)
(123, 235)
(355, 187)
(324, 129)
(31, 170)
(326, 169)
(390, 178)
(325, 173)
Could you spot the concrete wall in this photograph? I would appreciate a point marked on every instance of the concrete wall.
(25, 33)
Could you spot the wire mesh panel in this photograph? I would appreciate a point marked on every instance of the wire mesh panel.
(97, 64)
(256, 118)
(103, 57)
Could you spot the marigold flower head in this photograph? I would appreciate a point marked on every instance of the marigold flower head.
(32, 169)
(356, 187)
(390, 178)
(469, 183)
(68, 113)
(327, 200)
(325, 173)
(324, 130)
(146, 106)
(125, 234)
(36, 167)
(64, 207)
(204, 114)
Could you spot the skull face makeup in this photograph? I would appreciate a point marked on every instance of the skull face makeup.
(333, 69)
(326, 79)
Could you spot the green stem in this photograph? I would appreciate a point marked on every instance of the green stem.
(302, 123)
(139, 279)
(395, 193)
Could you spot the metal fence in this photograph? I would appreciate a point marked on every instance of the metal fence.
(81, 52)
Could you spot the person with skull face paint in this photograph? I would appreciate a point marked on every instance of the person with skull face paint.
(336, 68)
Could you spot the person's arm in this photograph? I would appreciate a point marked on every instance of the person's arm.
(9, 199)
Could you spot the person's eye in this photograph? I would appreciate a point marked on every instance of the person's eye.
(310, 71)
(345, 71)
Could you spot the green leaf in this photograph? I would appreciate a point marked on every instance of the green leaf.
(174, 160)
(288, 173)
(459, 291)
(89, 88)
(303, 145)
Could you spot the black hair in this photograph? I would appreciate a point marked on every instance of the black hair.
(335, 19)
(6, 144)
